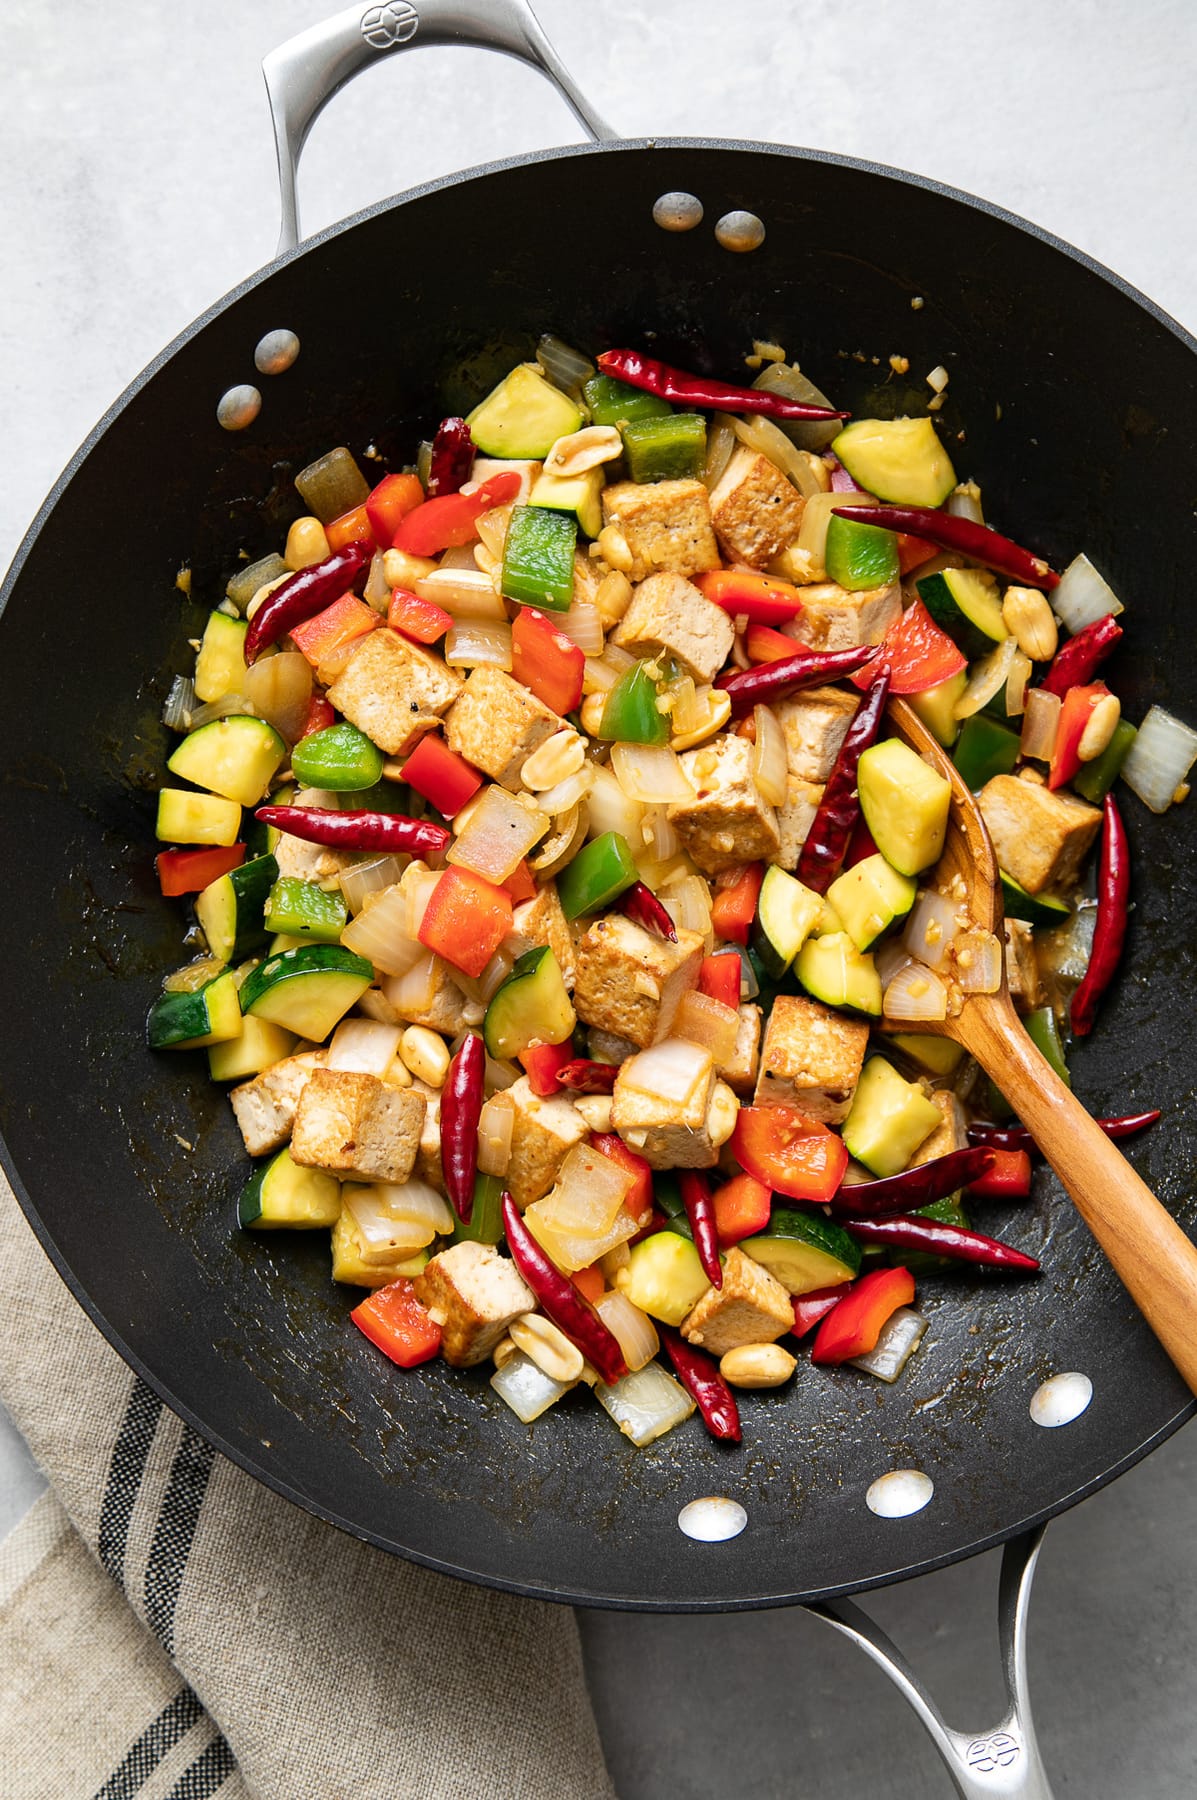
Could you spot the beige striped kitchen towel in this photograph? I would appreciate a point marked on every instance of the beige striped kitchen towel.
(170, 1630)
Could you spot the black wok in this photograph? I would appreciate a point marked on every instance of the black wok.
(1080, 403)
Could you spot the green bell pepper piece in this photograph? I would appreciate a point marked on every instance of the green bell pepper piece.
(300, 909)
(1044, 1033)
(538, 557)
(672, 449)
(613, 402)
(984, 749)
(631, 714)
(598, 874)
(1096, 778)
(486, 1216)
(340, 758)
(860, 556)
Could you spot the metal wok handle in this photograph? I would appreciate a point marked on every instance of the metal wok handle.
(1002, 1763)
(303, 74)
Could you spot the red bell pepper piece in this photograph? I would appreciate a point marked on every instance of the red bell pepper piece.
(392, 500)
(452, 458)
(913, 551)
(640, 904)
(1075, 708)
(733, 907)
(560, 1299)
(810, 1308)
(321, 714)
(919, 654)
(953, 533)
(438, 525)
(1113, 900)
(346, 619)
(521, 883)
(790, 1153)
(699, 1375)
(357, 830)
(719, 978)
(352, 527)
(393, 1319)
(542, 1063)
(590, 1282)
(762, 599)
(586, 1077)
(546, 661)
(461, 1108)
(416, 618)
(654, 377)
(700, 1210)
(1080, 658)
(466, 920)
(742, 1207)
(188, 871)
(854, 1325)
(442, 776)
(639, 1198)
(764, 645)
(1008, 1177)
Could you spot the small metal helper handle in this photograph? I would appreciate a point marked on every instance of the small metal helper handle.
(1002, 1763)
(303, 74)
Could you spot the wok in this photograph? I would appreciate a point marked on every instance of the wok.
(1079, 401)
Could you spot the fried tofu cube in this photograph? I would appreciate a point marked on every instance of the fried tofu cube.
(815, 724)
(357, 1127)
(740, 1070)
(426, 995)
(496, 723)
(1040, 838)
(541, 921)
(795, 819)
(951, 1135)
(728, 821)
(630, 982)
(310, 862)
(755, 511)
(265, 1107)
(670, 613)
(835, 618)
(673, 1134)
(811, 1058)
(542, 1132)
(751, 1307)
(394, 691)
(429, 1167)
(1022, 966)
(666, 524)
(474, 1294)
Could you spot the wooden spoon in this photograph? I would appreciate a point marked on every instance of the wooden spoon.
(1151, 1254)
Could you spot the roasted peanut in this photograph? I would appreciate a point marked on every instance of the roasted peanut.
(583, 450)
(1099, 727)
(306, 544)
(559, 756)
(757, 1366)
(426, 1054)
(1028, 618)
(614, 549)
(547, 1346)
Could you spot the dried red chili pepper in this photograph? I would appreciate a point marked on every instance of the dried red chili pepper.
(654, 377)
(1113, 900)
(305, 594)
(699, 1375)
(560, 1299)
(461, 1108)
(839, 809)
(588, 1077)
(904, 1233)
(640, 904)
(915, 1187)
(1017, 1137)
(776, 680)
(452, 458)
(980, 542)
(700, 1210)
(1075, 662)
(357, 830)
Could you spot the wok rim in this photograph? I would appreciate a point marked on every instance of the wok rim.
(243, 1459)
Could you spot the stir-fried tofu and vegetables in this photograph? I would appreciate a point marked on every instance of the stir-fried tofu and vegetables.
(553, 871)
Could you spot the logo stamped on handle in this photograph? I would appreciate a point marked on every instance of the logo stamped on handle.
(385, 26)
(988, 1755)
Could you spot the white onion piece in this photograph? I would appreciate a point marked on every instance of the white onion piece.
(1160, 758)
(721, 441)
(750, 987)
(500, 1075)
(768, 440)
(363, 1046)
(632, 1329)
(415, 1203)
(527, 1390)
(382, 934)
(420, 886)
(965, 503)
(689, 710)
(365, 878)
(770, 766)
(228, 706)
(496, 1123)
(647, 1404)
(377, 591)
(986, 678)
(688, 903)
(193, 975)
(812, 533)
(564, 366)
(492, 529)
(914, 995)
(1065, 951)
(610, 809)
(180, 704)
(484, 987)
(566, 794)
(702, 1020)
(900, 1338)
(412, 991)
(650, 773)
(384, 1238)
(671, 1070)
(598, 677)
(478, 644)
(582, 626)
(932, 928)
(1016, 685)
(788, 379)
(660, 835)
(466, 593)
(575, 1250)
(499, 835)
(890, 957)
(1083, 596)
(1040, 723)
(589, 1193)
(979, 962)
(279, 688)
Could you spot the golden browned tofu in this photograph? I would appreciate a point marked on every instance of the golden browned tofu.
(393, 691)
(496, 724)
(1040, 838)
(669, 613)
(741, 1070)
(426, 996)
(666, 524)
(951, 1135)
(815, 724)
(630, 982)
(755, 510)
(751, 1307)
(310, 862)
(728, 821)
(474, 1294)
(672, 1134)
(265, 1107)
(811, 1058)
(541, 921)
(795, 819)
(357, 1127)
(1022, 966)
(542, 1133)
(834, 618)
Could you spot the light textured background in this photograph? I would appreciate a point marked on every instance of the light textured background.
(137, 185)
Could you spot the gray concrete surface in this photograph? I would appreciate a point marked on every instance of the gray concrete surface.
(136, 185)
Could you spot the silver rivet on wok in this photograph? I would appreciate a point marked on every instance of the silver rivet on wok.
(238, 407)
(1061, 1399)
(276, 352)
(900, 1493)
(713, 1519)
(740, 231)
(678, 212)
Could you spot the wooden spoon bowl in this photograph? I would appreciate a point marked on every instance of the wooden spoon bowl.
(1154, 1259)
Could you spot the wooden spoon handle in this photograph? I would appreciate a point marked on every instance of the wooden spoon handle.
(1151, 1254)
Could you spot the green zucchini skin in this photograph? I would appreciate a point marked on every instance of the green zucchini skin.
(230, 909)
(209, 1015)
(307, 991)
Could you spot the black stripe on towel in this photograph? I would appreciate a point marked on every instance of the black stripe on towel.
(172, 1723)
(175, 1533)
(125, 1471)
(208, 1772)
